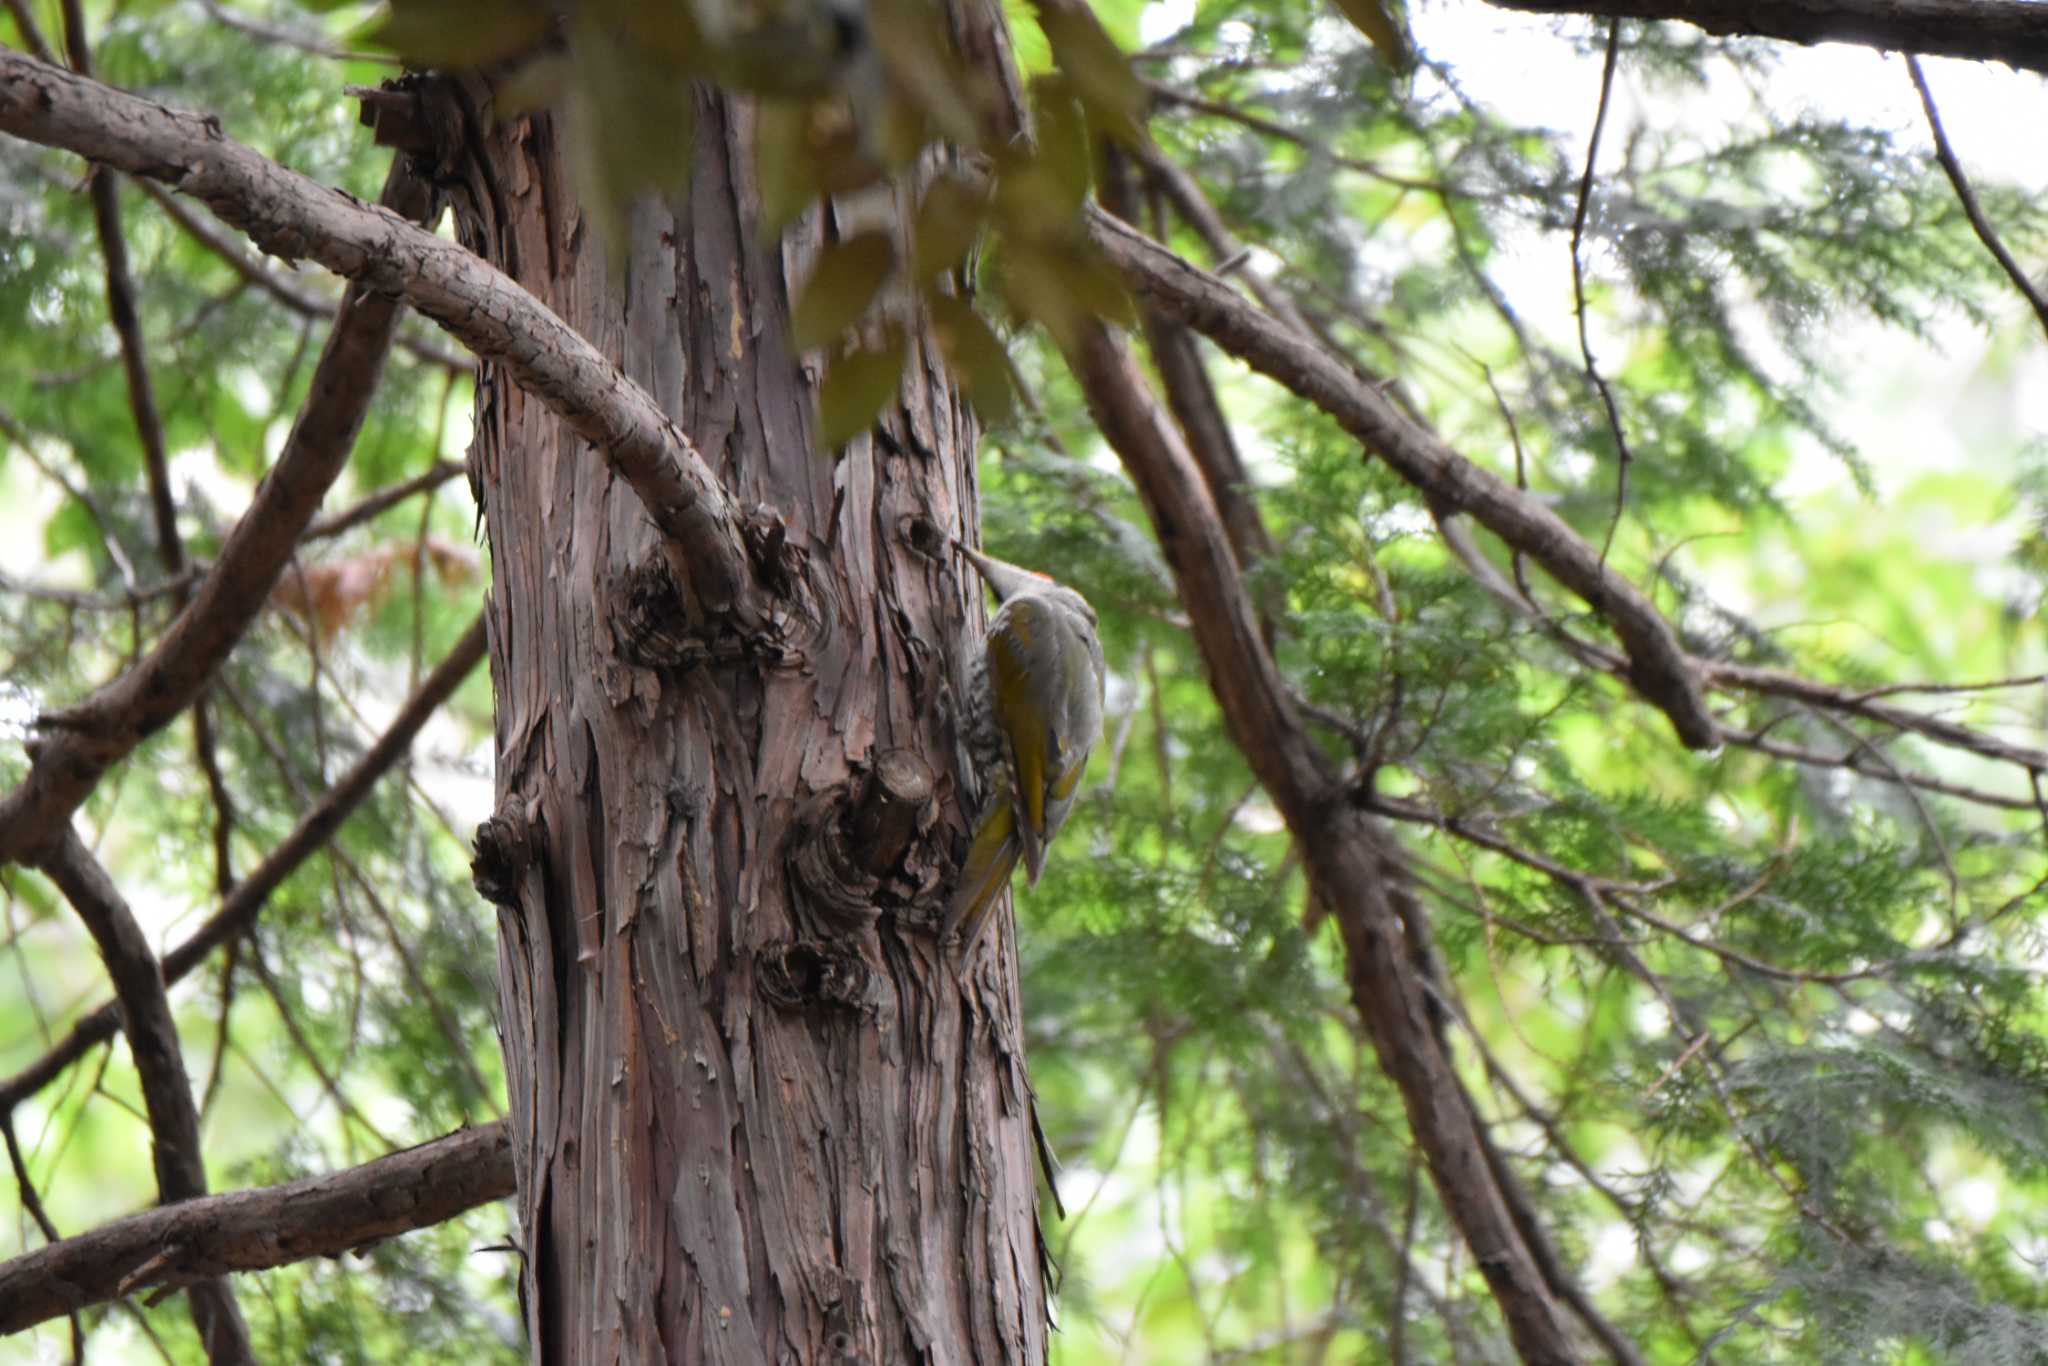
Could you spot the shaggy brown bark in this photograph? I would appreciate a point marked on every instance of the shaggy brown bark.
(757, 1115)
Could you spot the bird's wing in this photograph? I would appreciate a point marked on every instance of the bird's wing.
(1022, 632)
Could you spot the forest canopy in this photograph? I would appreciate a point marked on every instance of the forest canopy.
(1627, 447)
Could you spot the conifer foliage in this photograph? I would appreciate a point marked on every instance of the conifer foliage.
(1563, 874)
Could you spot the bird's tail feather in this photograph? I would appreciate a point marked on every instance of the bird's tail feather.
(990, 860)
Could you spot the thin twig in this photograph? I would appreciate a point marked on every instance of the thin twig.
(1621, 450)
(1272, 128)
(1968, 197)
(439, 473)
(311, 45)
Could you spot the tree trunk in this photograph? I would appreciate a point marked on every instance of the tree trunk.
(757, 1114)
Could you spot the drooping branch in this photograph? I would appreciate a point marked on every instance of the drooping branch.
(2011, 31)
(1347, 856)
(145, 1011)
(1658, 667)
(239, 911)
(253, 1230)
(292, 216)
(80, 743)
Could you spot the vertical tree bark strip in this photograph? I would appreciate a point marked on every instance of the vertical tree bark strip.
(757, 1115)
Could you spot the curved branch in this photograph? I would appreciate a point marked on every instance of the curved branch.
(1347, 855)
(253, 1230)
(1967, 197)
(1777, 683)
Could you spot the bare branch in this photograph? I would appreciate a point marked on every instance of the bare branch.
(312, 44)
(2011, 31)
(149, 426)
(1163, 93)
(1776, 683)
(1192, 399)
(1344, 852)
(166, 1090)
(253, 1230)
(1623, 458)
(80, 601)
(291, 216)
(439, 473)
(1659, 669)
(31, 32)
(238, 913)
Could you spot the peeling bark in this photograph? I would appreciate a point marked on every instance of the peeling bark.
(756, 1114)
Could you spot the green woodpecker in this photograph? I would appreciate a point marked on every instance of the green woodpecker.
(1034, 710)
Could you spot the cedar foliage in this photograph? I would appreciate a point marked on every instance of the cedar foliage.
(1756, 1035)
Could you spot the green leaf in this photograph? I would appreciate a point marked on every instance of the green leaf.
(859, 384)
(639, 119)
(949, 222)
(925, 71)
(976, 355)
(848, 276)
(1102, 78)
(804, 149)
(782, 161)
(1063, 285)
(458, 33)
(1040, 189)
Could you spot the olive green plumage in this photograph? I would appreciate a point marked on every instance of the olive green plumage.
(1034, 711)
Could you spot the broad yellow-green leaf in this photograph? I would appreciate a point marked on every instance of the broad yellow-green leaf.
(803, 150)
(949, 221)
(855, 390)
(848, 276)
(544, 83)
(458, 33)
(976, 355)
(782, 161)
(643, 116)
(910, 36)
(1102, 78)
(666, 28)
